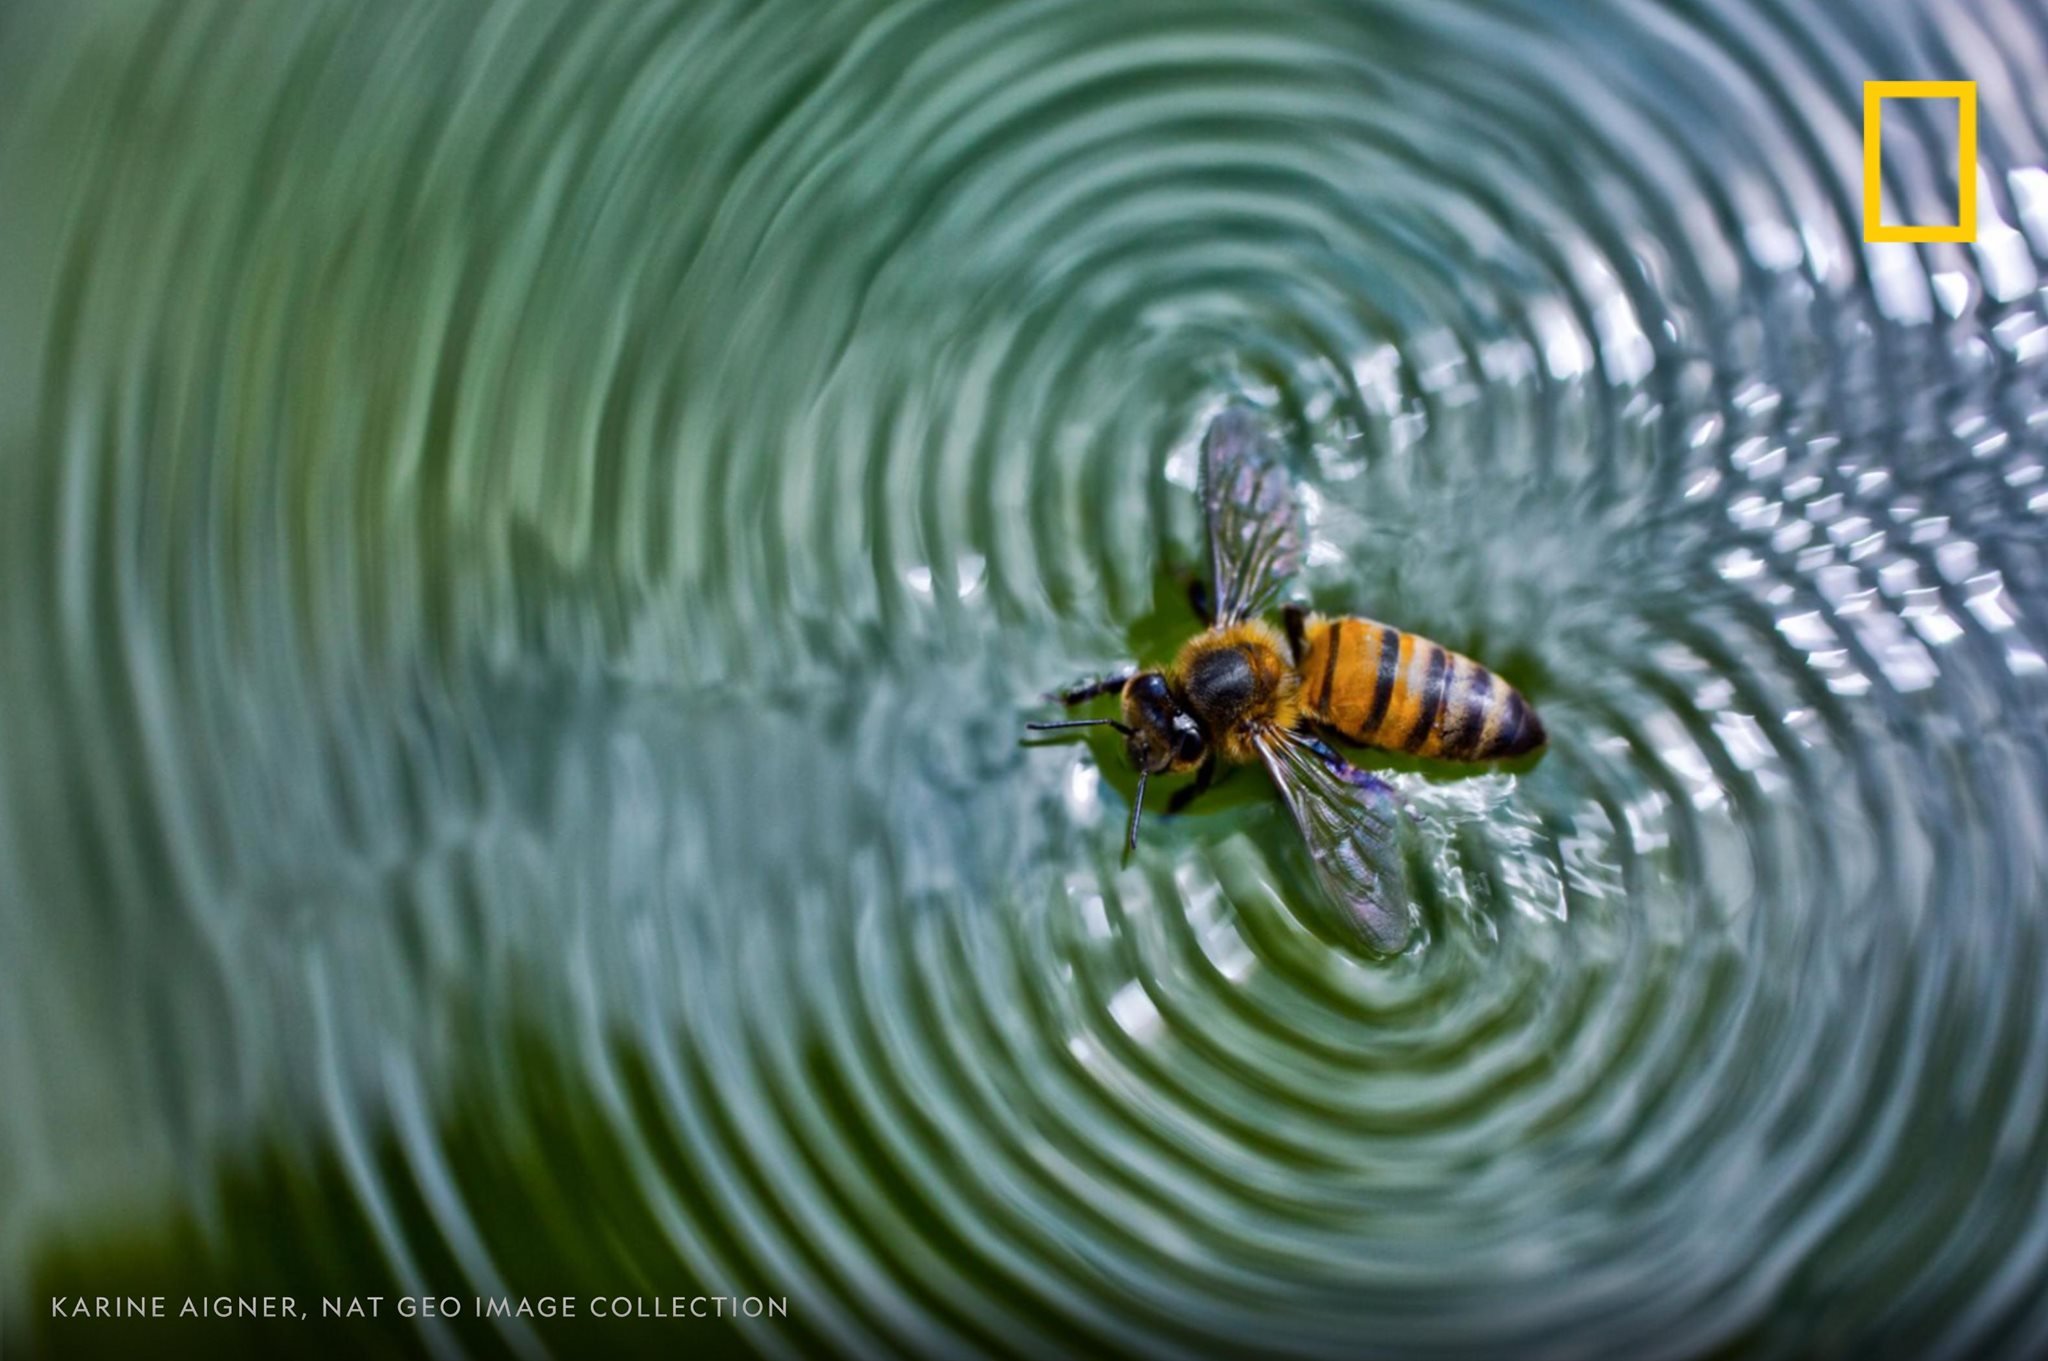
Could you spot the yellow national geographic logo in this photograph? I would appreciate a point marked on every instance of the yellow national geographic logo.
(1964, 93)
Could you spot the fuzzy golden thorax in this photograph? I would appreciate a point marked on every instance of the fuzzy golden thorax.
(1235, 681)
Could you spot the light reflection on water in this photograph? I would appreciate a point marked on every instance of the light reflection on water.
(531, 531)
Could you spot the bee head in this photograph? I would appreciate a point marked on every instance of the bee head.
(1161, 736)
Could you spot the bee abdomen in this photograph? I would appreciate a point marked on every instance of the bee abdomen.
(1379, 687)
(1484, 718)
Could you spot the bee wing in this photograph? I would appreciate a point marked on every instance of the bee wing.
(1254, 518)
(1350, 820)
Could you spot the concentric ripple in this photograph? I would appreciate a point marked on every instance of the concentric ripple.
(530, 532)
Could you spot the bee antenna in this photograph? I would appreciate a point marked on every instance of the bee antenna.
(1080, 723)
(1137, 810)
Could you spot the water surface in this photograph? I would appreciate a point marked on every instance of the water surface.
(530, 532)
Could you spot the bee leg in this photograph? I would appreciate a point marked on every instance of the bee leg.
(1204, 777)
(1087, 690)
(1345, 771)
(1199, 602)
(1296, 620)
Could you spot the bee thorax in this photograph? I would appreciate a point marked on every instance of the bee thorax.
(1221, 683)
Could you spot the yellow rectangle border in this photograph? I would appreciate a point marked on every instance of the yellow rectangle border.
(1875, 92)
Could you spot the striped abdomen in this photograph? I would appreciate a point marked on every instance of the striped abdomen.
(1380, 687)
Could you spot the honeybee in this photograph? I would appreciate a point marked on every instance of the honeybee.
(1242, 692)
